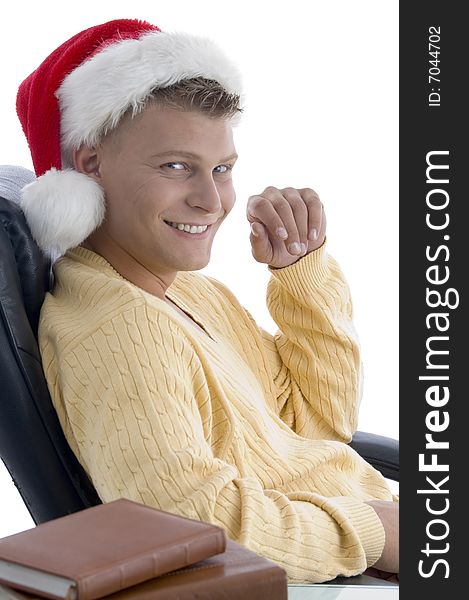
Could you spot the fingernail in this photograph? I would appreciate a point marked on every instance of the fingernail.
(313, 234)
(303, 248)
(294, 248)
(253, 232)
(282, 233)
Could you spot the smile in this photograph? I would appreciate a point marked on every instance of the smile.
(188, 228)
(194, 231)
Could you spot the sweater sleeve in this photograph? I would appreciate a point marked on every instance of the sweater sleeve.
(315, 354)
(134, 403)
(312, 364)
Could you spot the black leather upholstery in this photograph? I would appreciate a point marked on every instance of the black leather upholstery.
(380, 451)
(49, 478)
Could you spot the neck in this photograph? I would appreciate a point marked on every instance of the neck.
(129, 267)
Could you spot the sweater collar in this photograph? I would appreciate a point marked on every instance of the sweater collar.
(175, 292)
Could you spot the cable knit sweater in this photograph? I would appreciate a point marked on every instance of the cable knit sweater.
(227, 424)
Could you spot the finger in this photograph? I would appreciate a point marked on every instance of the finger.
(260, 209)
(300, 213)
(261, 247)
(274, 210)
(315, 212)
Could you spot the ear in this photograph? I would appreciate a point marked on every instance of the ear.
(87, 160)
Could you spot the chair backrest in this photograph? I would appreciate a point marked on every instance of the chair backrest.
(47, 474)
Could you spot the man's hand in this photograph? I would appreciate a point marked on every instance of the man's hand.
(299, 213)
(388, 512)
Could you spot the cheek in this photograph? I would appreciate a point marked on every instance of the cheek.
(121, 205)
(116, 188)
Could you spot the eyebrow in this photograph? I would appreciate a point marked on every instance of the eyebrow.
(187, 154)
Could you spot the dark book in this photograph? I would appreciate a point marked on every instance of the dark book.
(237, 574)
(104, 549)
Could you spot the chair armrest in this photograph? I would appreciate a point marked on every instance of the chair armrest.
(380, 451)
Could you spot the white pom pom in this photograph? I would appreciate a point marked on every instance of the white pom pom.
(62, 208)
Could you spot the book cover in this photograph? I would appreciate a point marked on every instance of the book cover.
(104, 549)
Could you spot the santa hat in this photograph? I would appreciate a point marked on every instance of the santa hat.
(82, 90)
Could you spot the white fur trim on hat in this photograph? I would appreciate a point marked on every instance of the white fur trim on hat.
(95, 95)
(62, 209)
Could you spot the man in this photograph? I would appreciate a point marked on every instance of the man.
(167, 390)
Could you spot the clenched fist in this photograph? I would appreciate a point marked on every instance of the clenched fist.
(286, 225)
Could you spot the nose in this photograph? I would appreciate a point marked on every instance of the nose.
(205, 194)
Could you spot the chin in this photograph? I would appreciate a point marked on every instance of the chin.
(195, 264)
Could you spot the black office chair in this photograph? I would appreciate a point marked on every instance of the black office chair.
(47, 474)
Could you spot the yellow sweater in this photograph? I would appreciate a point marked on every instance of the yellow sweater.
(229, 425)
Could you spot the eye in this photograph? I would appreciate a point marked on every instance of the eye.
(175, 166)
(224, 168)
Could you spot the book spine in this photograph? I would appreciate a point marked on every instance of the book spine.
(142, 567)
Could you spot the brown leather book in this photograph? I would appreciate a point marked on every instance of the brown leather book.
(104, 549)
(237, 574)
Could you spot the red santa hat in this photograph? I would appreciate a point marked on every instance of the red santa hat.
(80, 92)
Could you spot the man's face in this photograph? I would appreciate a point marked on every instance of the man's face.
(167, 165)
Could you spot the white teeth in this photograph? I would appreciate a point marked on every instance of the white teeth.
(188, 228)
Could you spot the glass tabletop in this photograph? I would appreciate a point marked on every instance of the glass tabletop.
(361, 587)
(342, 592)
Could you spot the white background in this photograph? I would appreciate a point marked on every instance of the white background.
(321, 83)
